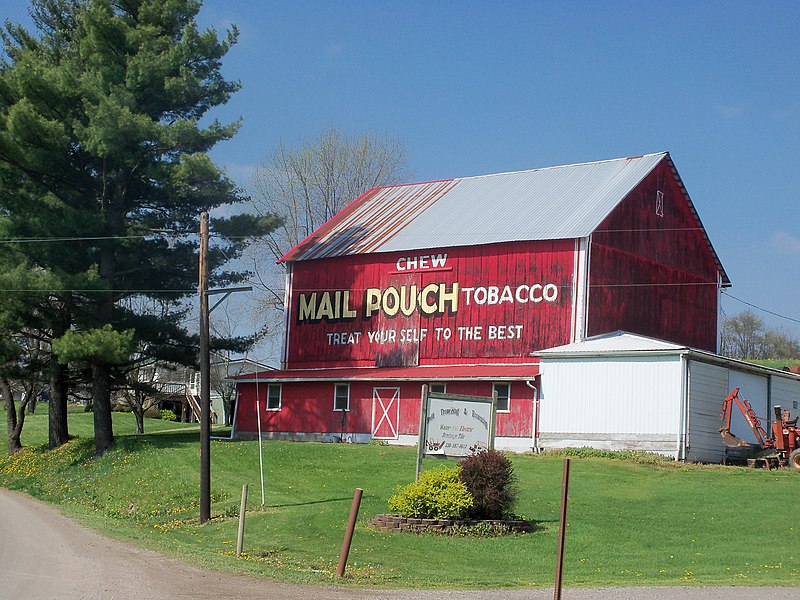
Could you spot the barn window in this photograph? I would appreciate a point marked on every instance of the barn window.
(341, 397)
(438, 388)
(659, 203)
(503, 396)
(274, 396)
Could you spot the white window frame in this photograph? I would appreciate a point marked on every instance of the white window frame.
(494, 388)
(270, 386)
(335, 395)
(432, 385)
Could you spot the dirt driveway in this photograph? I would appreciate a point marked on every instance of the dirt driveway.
(44, 555)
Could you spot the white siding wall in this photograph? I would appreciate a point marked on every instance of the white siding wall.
(708, 386)
(611, 403)
(620, 403)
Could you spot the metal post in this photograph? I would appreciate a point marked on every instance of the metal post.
(423, 413)
(348, 536)
(242, 511)
(562, 530)
(205, 378)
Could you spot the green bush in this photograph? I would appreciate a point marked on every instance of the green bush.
(439, 494)
(489, 477)
(168, 415)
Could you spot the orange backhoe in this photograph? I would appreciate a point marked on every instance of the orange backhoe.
(782, 446)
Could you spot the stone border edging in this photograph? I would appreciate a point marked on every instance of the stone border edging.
(398, 523)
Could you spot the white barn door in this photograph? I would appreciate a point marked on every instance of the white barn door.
(385, 413)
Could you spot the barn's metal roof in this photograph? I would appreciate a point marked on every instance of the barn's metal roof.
(551, 203)
(565, 202)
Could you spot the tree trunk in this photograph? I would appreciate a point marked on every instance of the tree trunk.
(138, 412)
(57, 407)
(14, 444)
(101, 396)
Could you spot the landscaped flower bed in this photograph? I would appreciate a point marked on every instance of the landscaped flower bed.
(400, 523)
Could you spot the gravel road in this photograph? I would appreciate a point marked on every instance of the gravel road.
(44, 555)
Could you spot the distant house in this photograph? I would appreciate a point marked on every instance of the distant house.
(460, 283)
(178, 387)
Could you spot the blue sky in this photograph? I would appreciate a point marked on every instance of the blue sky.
(483, 87)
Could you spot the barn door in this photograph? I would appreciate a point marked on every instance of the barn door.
(385, 412)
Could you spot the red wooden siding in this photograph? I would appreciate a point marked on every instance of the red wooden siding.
(307, 407)
(494, 318)
(653, 274)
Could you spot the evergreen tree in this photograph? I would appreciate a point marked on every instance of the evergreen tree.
(100, 115)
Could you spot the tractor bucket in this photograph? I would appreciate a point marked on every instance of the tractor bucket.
(731, 440)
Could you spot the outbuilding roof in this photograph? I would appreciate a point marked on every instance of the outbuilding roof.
(616, 342)
(564, 202)
(624, 343)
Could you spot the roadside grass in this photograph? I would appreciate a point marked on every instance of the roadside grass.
(633, 519)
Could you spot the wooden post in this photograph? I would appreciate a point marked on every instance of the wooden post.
(242, 511)
(562, 530)
(205, 378)
(348, 535)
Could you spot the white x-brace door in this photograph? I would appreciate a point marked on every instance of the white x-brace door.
(385, 412)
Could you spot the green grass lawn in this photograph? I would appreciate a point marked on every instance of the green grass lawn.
(630, 523)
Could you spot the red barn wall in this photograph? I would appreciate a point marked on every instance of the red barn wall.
(500, 302)
(651, 274)
(308, 407)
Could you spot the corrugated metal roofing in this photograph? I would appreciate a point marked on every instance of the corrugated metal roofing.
(617, 341)
(550, 203)
(623, 343)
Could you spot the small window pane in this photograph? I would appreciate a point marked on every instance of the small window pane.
(503, 396)
(274, 396)
(438, 388)
(341, 400)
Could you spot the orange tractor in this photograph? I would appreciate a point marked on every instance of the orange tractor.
(782, 448)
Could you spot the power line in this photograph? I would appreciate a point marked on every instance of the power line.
(24, 240)
(39, 240)
(774, 314)
(96, 291)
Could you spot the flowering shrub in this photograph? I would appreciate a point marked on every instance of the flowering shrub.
(168, 415)
(438, 494)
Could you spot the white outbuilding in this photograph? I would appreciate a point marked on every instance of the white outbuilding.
(621, 391)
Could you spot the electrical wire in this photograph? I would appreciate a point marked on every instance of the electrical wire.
(769, 312)
(22, 240)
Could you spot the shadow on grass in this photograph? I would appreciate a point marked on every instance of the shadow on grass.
(288, 505)
(161, 439)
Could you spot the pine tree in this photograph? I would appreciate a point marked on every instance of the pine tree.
(100, 114)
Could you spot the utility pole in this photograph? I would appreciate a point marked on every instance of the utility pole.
(205, 378)
(205, 369)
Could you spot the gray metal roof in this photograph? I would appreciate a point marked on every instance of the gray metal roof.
(623, 343)
(563, 202)
(616, 342)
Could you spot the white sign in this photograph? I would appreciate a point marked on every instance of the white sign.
(456, 426)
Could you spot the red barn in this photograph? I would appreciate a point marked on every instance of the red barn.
(456, 283)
